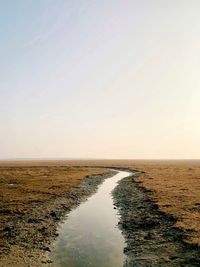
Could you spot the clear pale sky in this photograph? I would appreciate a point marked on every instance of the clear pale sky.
(100, 79)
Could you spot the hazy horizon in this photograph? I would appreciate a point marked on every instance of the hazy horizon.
(96, 159)
(100, 79)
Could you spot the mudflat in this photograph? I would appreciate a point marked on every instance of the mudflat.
(159, 207)
(172, 184)
(33, 201)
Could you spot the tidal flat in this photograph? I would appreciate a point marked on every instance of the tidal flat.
(159, 208)
(34, 199)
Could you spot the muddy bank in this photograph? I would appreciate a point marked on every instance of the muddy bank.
(27, 239)
(151, 238)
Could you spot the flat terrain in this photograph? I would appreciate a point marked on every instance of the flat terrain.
(33, 201)
(175, 187)
(152, 239)
(168, 193)
(172, 184)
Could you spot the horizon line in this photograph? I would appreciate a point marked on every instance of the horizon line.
(76, 158)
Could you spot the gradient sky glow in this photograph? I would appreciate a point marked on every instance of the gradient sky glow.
(102, 79)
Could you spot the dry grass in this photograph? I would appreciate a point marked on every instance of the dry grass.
(175, 185)
(176, 189)
(21, 187)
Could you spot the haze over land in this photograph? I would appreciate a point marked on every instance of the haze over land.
(102, 79)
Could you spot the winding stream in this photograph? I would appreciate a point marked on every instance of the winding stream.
(90, 236)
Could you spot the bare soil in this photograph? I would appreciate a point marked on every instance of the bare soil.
(151, 236)
(160, 215)
(29, 228)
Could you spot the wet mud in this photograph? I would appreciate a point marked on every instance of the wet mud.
(151, 237)
(27, 240)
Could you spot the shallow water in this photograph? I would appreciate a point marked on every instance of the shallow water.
(90, 236)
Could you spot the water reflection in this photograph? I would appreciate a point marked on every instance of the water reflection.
(90, 236)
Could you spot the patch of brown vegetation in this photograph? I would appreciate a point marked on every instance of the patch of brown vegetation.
(22, 185)
(176, 189)
(173, 184)
(24, 189)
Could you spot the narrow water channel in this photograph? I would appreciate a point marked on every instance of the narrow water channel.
(90, 237)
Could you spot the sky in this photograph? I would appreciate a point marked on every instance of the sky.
(100, 79)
